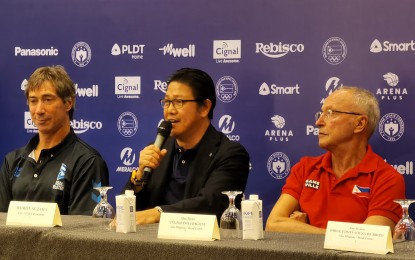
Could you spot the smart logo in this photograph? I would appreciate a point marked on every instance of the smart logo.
(226, 126)
(189, 52)
(127, 124)
(226, 89)
(18, 51)
(278, 50)
(160, 85)
(391, 127)
(391, 92)
(265, 90)
(87, 92)
(227, 51)
(334, 50)
(81, 126)
(135, 50)
(386, 46)
(278, 165)
(127, 156)
(127, 87)
(278, 135)
(81, 54)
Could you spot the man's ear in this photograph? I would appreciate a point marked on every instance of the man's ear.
(361, 123)
(207, 106)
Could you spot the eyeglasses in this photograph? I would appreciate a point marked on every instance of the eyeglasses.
(177, 103)
(327, 114)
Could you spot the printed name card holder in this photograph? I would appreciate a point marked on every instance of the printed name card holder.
(35, 214)
(188, 227)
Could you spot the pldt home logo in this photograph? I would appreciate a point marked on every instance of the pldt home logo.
(391, 127)
(135, 50)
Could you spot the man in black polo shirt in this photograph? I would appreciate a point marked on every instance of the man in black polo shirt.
(196, 163)
(55, 166)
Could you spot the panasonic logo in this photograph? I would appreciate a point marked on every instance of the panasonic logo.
(35, 52)
(279, 50)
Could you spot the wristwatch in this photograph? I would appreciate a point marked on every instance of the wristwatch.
(159, 209)
(137, 182)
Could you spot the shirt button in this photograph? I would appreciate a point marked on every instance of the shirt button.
(51, 155)
(35, 175)
(183, 161)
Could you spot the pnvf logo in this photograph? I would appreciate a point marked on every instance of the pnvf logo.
(392, 92)
(81, 54)
(226, 89)
(273, 89)
(160, 85)
(278, 50)
(334, 50)
(127, 87)
(127, 157)
(135, 50)
(391, 127)
(331, 85)
(387, 46)
(278, 165)
(227, 51)
(226, 126)
(18, 51)
(87, 92)
(279, 134)
(127, 124)
(81, 126)
(188, 52)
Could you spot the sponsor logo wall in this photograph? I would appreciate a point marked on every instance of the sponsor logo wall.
(271, 74)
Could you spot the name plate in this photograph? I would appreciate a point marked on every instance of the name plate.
(188, 227)
(358, 238)
(36, 214)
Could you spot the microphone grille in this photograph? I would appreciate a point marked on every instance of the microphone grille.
(164, 128)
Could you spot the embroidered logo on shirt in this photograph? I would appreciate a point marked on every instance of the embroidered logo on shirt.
(62, 171)
(59, 184)
(361, 191)
(17, 171)
(312, 184)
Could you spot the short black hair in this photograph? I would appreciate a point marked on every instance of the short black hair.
(200, 82)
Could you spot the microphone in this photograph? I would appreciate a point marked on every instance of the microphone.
(163, 131)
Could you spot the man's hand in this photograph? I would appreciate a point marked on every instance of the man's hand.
(300, 216)
(148, 216)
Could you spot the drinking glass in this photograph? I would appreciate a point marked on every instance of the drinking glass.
(103, 209)
(231, 219)
(405, 228)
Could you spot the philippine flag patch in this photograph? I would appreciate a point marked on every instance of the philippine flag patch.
(361, 191)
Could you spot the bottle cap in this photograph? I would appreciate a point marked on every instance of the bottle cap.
(253, 197)
(129, 192)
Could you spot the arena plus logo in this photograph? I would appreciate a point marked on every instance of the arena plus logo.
(331, 85)
(135, 50)
(81, 54)
(18, 51)
(188, 52)
(387, 46)
(226, 126)
(226, 89)
(391, 127)
(334, 50)
(127, 124)
(227, 51)
(127, 157)
(273, 89)
(278, 165)
(406, 168)
(127, 87)
(278, 50)
(280, 134)
(81, 126)
(87, 92)
(160, 85)
(391, 92)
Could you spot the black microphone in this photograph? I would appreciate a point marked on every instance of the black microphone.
(163, 131)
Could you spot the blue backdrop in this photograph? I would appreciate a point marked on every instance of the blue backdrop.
(273, 62)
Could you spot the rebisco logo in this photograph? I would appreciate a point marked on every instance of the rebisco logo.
(388, 46)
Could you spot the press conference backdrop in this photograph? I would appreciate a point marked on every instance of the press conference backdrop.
(273, 63)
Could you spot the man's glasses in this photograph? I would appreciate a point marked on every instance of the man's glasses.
(177, 103)
(327, 114)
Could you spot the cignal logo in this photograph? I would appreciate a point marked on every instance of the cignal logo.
(127, 157)
(265, 89)
(81, 54)
(387, 46)
(391, 127)
(227, 51)
(392, 91)
(227, 125)
(127, 124)
(19, 51)
(278, 134)
(331, 85)
(406, 168)
(87, 92)
(226, 89)
(186, 52)
(278, 165)
(135, 50)
(81, 126)
(278, 50)
(29, 125)
(334, 50)
(160, 85)
(127, 87)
